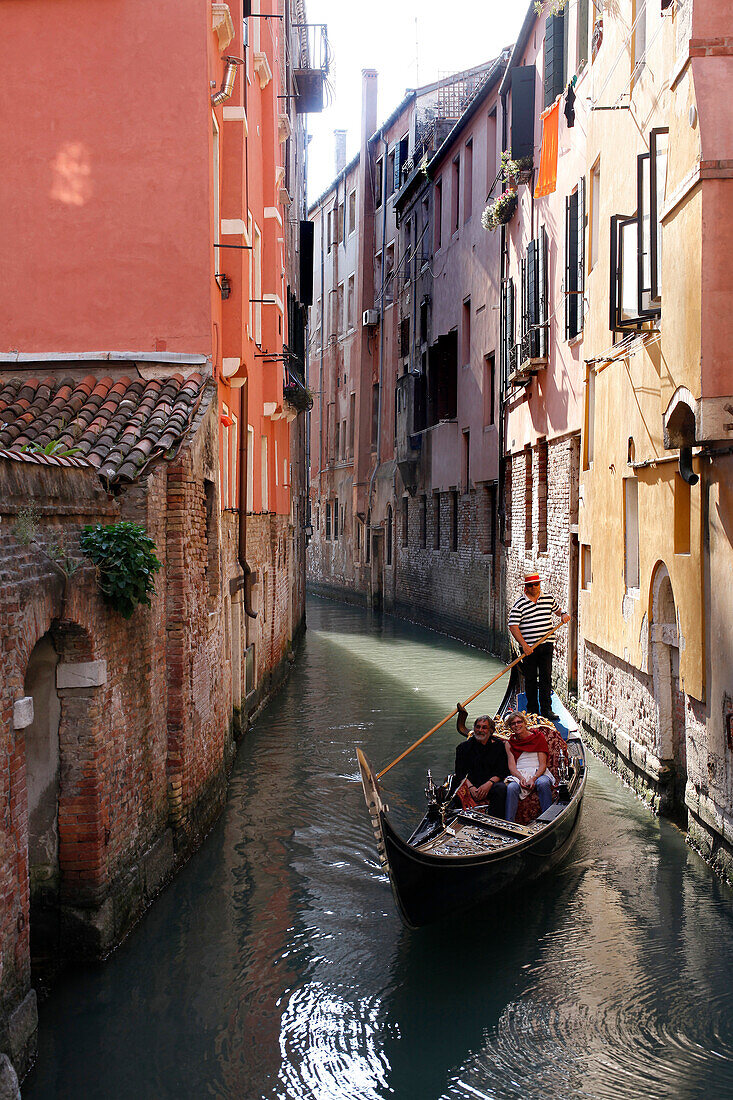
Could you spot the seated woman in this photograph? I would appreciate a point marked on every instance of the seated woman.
(484, 761)
(528, 754)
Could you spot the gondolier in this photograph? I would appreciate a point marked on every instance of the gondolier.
(529, 620)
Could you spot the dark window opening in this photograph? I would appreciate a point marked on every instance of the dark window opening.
(389, 534)
(423, 521)
(404, 337)
(436, 521)
(405, 521)
(454, 521)
(574, 261)
(442, 393)
(534, 300)
(542, 497)
(489, 390)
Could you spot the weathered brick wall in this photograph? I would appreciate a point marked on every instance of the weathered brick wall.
(270, 553)
(539, 536)
(143, 753)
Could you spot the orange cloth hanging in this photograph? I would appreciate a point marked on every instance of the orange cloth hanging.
(547, 181)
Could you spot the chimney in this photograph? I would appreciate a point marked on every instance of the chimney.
(368, 104)
(340, 137)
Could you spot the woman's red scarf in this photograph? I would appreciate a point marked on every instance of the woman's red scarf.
(536, 743)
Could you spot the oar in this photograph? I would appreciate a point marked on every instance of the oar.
(469, 700)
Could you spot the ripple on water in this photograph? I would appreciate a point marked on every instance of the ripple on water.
(331, 1044)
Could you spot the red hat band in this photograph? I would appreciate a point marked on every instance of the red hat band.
(531, 578)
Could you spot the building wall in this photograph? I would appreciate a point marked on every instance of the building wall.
(144, 732)
(105, 169)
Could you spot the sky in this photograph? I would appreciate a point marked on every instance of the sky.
(385, 36)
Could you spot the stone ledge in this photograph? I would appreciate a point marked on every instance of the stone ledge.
(81, 674)
(23, 713)
(23, 1033)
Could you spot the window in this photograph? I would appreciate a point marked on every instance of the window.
(264, 507)
(343, 439)
(424, 321)
(595, 214)
(352, 212)
(233, 450)
(542, 497)
(488, 525)
(582, 32)
(631, 534)
(491, 157)
(436, 521)
(574, 261)
(528, 487)
(341, 223)
(352, 422)
(489, 389)
(586, 575)
(466, 333)
(466, 460)
(339, 325)
(335, 520)
(507, 329)
(378, 183)
(438, 215)
(522, 110)
(350, 302)
(423, 521)
(455, 195)
(257, 260)
(224, 478)
(329, 231)
(468, 181)
(337, 440)
(405, 520)
(403, 151)
(404, 337)
(554, 76)
(389, 534)
(682, 497)
(389, 275)
(454, 521)
(590, 417)
(534, 299)
(357, 528)
(375, 414)
(424, 239)
(328, 521)
(390, 174)
(638, 38)
(250, 466)
(378, 274)
(636, 290)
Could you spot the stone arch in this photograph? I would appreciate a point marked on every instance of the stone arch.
(65, 833)
(679, 419)
(668, 696)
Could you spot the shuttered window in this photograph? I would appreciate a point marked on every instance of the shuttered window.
(534, 299)
(554, 80)
(507, 328)
(523, 120)
(574, 261)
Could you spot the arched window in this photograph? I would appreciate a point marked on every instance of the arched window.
(389, 534)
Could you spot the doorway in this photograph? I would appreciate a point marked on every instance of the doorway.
(669, 699)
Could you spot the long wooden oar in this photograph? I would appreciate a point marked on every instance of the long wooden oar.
(469, 700)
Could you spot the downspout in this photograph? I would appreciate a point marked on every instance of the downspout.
(381, 340)
(249, 577)
(227, 84)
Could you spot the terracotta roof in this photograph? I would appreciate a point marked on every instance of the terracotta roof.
(116, 426)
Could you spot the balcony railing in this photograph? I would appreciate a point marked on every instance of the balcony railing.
(312, 68)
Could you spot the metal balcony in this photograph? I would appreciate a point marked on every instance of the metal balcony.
(312, 66)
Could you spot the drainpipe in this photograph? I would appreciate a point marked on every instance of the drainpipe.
(227, 84)
(249, 577)
(381, 337)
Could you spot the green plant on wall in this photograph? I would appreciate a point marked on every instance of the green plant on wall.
(126, 562)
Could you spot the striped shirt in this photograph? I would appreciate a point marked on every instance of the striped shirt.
(534, 619)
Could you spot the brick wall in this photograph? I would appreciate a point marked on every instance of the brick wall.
(144, 749)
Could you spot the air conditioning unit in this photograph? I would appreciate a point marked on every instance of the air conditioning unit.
(370, 317)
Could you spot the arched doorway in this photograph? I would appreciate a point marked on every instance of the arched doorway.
(669, 699)
(42, 769)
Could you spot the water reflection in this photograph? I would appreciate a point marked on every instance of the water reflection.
(276, 967)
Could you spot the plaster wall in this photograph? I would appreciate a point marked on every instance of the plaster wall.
(108, 201)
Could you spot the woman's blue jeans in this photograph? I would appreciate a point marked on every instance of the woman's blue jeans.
(543, 786)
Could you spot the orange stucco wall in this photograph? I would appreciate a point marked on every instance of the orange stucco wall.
(106, 207)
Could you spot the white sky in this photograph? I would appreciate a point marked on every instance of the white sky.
(381, 35)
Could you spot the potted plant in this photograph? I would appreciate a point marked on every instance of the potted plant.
(500, 211)
(516, 171)
(298, 396)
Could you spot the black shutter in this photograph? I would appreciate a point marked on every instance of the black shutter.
(306, 262)
(542, 286)
(524, 298)
(523, 81)
(580, 247)
(567, 268)
(534, 297)
(554, 57)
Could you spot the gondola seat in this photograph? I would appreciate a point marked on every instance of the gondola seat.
(529, 808)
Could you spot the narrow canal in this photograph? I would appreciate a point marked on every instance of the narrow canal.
(275, 966)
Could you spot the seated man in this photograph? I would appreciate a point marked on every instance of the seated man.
(484, 760)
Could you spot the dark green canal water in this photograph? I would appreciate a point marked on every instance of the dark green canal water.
(275, 965)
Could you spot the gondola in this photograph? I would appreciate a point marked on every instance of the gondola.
(457, 859)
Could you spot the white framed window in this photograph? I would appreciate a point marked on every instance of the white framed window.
(265, 507)
(250, 467)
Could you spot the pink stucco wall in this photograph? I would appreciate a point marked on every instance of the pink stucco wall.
(107, 109)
